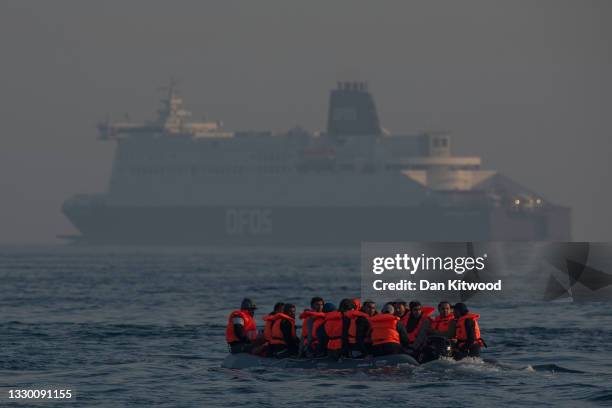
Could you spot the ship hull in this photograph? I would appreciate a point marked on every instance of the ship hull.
(311, 225)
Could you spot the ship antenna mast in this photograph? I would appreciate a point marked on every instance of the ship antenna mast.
(171, 116)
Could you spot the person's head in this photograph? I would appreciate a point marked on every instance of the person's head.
(400, 307)
(329, 307)
(357, 303)
(278, 307)
(388, 309)
(460, 309)
(444, 308)
(316, 304)
(415, 308)
(369, 307)
(346, 305)
(248, 305)
(289, 310)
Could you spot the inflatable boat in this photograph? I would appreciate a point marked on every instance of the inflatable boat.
(244, 360)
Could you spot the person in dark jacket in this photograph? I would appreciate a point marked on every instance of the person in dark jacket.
(311, 318)
(363, 341)
(321, 334)
(284, 340)
(418, 324)
(401, 310)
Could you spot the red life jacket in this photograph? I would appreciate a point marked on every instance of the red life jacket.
(277, 333)
(352, 331)
(461, 332)
(405, 317)
(384, 329)
(305, 315)
(425, 312)
(267, 332)
(441, 324)
(250, 327)
(334, 323)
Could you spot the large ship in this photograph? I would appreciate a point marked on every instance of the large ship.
(175, 181)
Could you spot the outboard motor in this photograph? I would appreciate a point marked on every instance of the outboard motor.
(437, 347)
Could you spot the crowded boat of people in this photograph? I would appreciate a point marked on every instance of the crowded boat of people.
(357, 330)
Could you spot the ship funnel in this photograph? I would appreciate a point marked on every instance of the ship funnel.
(352, 111)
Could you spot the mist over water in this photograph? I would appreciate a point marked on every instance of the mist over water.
(147, 326)
(525, 86)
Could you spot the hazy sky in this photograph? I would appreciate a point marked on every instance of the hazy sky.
(525, 84)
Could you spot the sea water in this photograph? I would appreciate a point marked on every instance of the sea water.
(146, 326)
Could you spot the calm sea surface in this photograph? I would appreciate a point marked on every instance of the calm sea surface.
(145, 326)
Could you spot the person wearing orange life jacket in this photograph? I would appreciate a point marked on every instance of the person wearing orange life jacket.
(317, 346)
(444, 324)
(401, 311)
(264, 349)
(267, 332)
(310, 317)
(333, 334)
(284, 342)
(467, 333)
(418, 324)
(388, 334)
(359, 328)
(241, 329)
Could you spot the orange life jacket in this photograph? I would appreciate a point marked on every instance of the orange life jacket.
(305, 315)
(384, 329)
(267, 332)
(352, 331)
(277, 333)
(441, 324)
(425, 312)
(334, 323)
(250, 327)
(461, 332)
